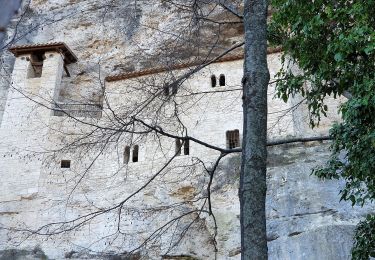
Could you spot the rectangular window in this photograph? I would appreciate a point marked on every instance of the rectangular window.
(186, 147)
(166, 91)
(126, 155)
(65, 163)
(35, 65)
(178, 147)
(135, 153)
(174, 88)
(233, 139)
(222, 80)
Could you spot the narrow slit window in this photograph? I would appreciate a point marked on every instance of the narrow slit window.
(174, 88)
(213, 81)
(186, 147)
(233, 139)
(135, 153)
(65, 163)
(126, 155)
(178, 147)
(222, 80)
(166, 90)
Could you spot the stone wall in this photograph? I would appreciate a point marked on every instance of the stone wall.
(302, 211)
(25, 125)
(305, 218)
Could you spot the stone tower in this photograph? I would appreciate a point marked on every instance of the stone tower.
(35, 86)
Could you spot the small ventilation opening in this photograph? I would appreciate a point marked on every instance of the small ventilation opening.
(65, 163)
(222, 80)
(174, 88)
(166, 91)
(126, 155)
(178, 147)
(135, 153)
(186, 147)
(213, 81)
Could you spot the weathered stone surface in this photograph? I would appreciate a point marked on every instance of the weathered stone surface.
(39, 192)
(325, 242)
(305, 218)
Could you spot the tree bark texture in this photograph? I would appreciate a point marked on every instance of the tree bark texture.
(252, 192)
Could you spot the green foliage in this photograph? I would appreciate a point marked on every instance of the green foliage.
(333, 44)
(364, 246)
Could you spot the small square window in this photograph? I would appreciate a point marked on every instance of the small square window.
(233, 139)
(65, 163)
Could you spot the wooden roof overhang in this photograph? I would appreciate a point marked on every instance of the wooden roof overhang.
(135, 74)
(69, 56)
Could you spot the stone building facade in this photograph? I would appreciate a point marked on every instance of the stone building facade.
(73, 172)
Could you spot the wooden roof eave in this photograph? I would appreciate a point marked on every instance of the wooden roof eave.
(69, 56)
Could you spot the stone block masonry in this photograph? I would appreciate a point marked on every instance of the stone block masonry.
(302, 212)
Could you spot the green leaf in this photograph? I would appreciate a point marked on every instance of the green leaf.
(338, 57)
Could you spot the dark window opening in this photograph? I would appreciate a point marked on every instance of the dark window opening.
(213, 81)
(135, 153)
(186, 147)
(166, 90)
(65, 163)
(178, 147)
(233, 139)
(126, 155)
(222, 80)
(35, 65)
(174, 88)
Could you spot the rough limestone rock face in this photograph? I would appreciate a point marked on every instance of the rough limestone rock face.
(109, 37)
(305, 219)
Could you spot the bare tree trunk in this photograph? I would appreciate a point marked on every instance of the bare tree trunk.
(253, 186)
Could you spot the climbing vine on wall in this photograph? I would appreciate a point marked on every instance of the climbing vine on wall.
(333, 44)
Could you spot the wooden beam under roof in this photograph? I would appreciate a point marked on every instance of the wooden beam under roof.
(69, 56)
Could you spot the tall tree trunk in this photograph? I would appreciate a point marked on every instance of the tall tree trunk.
(253, 185)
